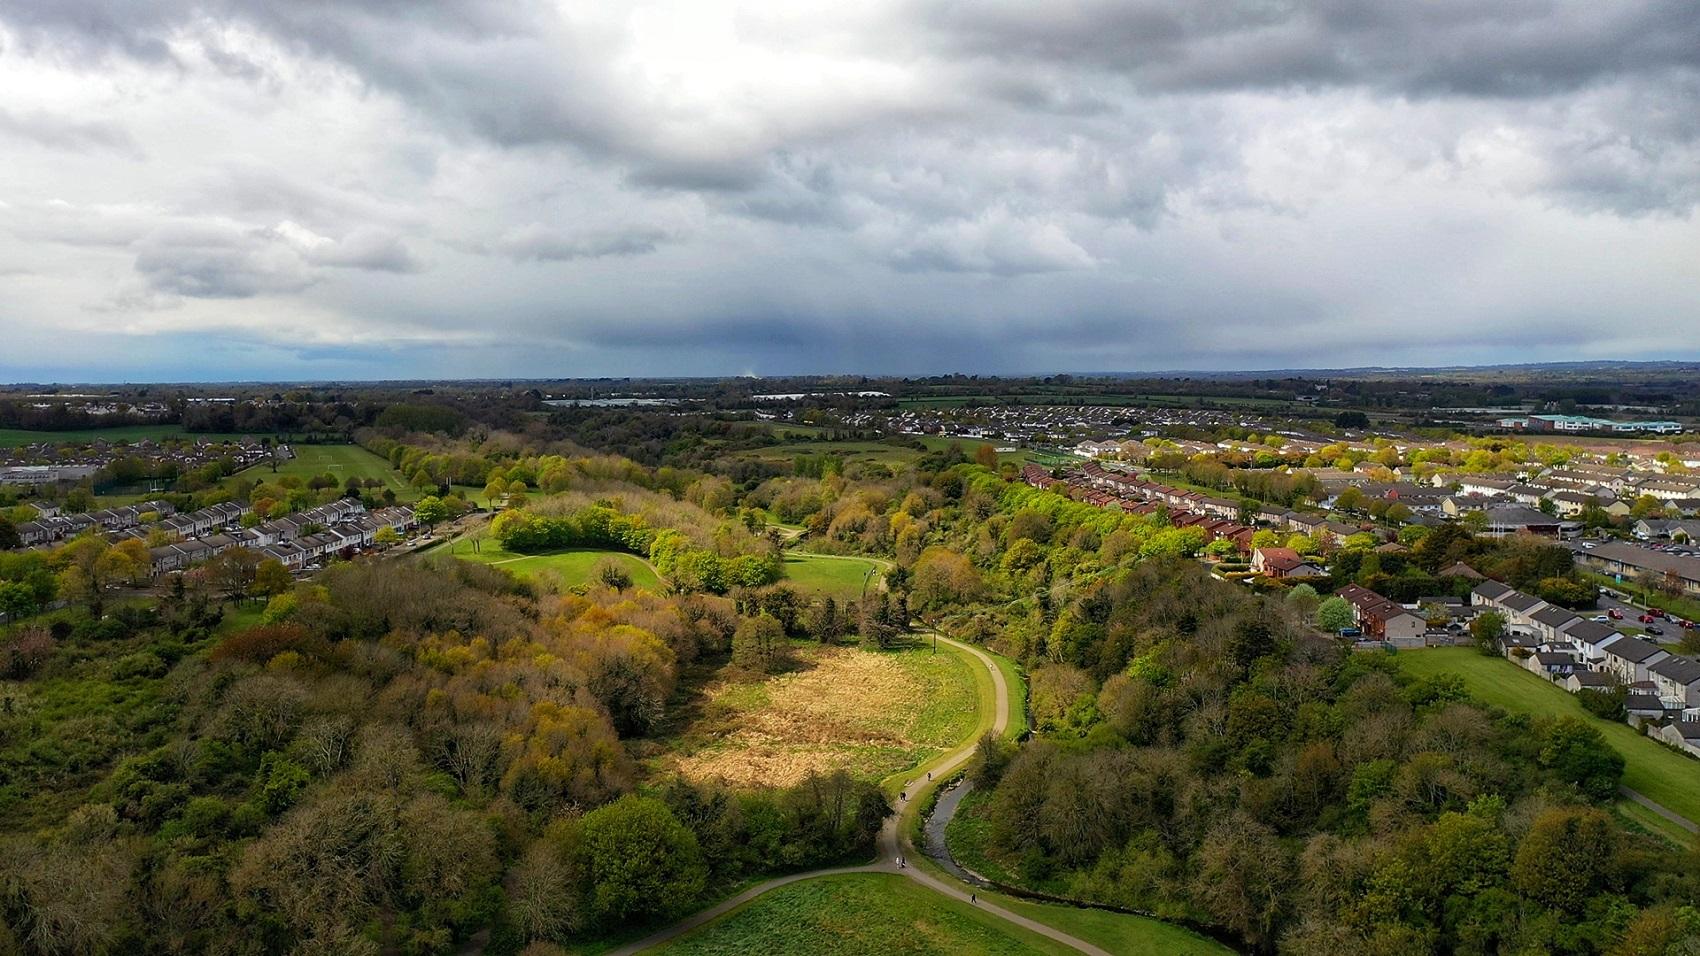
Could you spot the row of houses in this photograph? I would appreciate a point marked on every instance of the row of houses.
(297, 541)
(1663, 688)
(1678, 573)
(52, 526)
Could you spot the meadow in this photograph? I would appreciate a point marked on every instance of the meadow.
(567, 568)
(871, 713)
(859, 913)
(1654, 770)
(840, 578)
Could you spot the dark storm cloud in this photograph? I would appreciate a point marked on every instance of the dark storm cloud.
(1512, 48)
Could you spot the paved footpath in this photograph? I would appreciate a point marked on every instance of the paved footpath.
(890, 844)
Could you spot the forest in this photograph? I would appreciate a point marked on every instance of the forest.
(424, 754)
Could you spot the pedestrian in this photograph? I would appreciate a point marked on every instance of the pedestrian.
(971, 899)
(903, 795)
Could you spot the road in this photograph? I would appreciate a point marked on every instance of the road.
(890, 844)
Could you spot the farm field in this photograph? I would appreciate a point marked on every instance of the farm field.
(855, 914)
(871, 713)
(570, 568)
(13, 437)
(838, 578)
(1651, 768)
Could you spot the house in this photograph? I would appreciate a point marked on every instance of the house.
(1383, 620)
(1550, 623)
(1590, 639)
(1282, 563)
(1505, 520)
(1681, 734)
(1676, 572)
(1462, 570)
(1630, 658)
(1582, 679)
(1643, 707)
(1553, 665)
(1678, 681)
(1676, 529)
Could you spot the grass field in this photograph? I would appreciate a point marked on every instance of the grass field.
(839, 578)
(1651, 768)
(567, 568)
(872, 713)
(341, 461)
(12, 437)
(860, 913)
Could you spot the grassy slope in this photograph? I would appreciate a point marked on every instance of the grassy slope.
(341, 461)
(859, 913)
(839, 578)
(574, 566)
(1660, 773)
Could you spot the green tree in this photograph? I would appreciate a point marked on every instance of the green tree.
(640, 861)
(430, 510)
(1578, 754)
(1487, 628)
(1334, 614)
(1567, 858)
(758, 642)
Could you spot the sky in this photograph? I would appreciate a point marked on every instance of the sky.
(308, 189)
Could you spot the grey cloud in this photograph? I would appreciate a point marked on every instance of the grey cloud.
(60, 132)
(212, 262)
(365, 248)
(539, 243)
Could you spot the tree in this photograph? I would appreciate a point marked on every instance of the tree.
(1487, 628)
(1578, 754)
(430, 510)
(942, 576)
(1567, 858)
(271, 578)
(758, 643)
(1334, 614)
(386, 537)
(9, 537)
(639, 861)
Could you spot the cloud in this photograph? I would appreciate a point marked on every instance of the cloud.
(711, 185)
(539, 243)
(61, 133)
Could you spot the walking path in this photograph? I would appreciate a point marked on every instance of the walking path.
(1660, 809)
(891, 843)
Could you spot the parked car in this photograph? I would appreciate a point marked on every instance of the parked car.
(1614, 614)
(1645, 619)
(1685, 624)
(1655, 631)
(1350, 632)
(1599, 619)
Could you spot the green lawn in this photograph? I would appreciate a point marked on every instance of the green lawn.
(573, 567)
(839, 578)
(1662, 774)
(341, 461)
(861, 913)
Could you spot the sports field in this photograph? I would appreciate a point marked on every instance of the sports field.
(840, 578)
(1650, 768)
(341, 462)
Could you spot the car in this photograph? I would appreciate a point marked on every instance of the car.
(1686, 625)
(1614, 614)
(1655, 631)
(1645, 619)
(1600, 619)
(1350, 632)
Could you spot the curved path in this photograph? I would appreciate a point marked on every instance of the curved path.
(891, 843)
